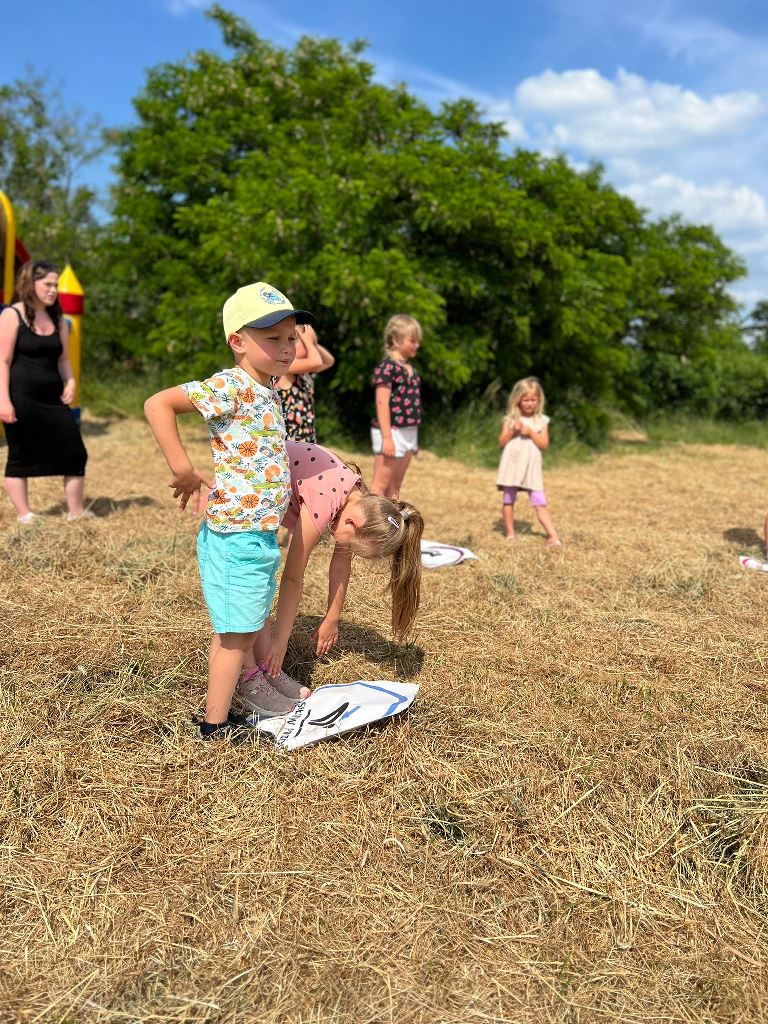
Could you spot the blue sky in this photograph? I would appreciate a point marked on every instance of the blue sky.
(671, 95)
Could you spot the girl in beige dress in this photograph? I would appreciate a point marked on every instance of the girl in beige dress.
(524, 436)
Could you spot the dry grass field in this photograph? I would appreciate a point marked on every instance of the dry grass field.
(571, 824)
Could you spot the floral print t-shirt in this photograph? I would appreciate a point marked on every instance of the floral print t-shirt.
(405, 399)
(247, 435)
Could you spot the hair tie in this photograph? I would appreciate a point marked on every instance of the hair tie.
(394, 522)
(404, 514)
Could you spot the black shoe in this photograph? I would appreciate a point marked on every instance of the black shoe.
(232, 729)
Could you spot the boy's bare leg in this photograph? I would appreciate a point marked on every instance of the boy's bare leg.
(225, 661)
(213, 651)
(548, 523)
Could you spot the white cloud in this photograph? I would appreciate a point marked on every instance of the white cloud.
(601, 117)
(697, 39)
(735, 210)
(672, 150)
(738, 213)
(565, 92)
(184, 6)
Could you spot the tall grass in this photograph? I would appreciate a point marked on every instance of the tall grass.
(700, 430)
(121, 394)
(569, 827)
(471, 434)
(468, 433)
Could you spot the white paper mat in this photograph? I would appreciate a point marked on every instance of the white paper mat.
(330, 711)
(435, 555)
(747, 562)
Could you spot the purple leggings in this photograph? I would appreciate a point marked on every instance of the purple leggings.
(538, 498)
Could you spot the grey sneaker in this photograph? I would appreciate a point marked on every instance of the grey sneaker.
(257, 696)
(288, 686)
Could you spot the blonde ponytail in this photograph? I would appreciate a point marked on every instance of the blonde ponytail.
(393, 529)
(405, 572)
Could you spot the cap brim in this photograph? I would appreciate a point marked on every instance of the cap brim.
(302, 317)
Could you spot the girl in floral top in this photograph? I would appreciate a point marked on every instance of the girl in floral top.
(296, 388)
(397, 385)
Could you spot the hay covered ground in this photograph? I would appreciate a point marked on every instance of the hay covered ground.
(571, 825)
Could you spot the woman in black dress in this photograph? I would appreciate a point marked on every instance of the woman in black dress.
(36, 386)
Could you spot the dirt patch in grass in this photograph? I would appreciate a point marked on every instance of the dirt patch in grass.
(569, 826)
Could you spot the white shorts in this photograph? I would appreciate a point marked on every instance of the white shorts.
(406, 440)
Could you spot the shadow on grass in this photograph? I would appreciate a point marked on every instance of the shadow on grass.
(522, 528)
(98, 428)
(103, 506)
(743, 536)
(405, 659)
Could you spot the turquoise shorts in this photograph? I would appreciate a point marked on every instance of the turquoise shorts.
(237, 571)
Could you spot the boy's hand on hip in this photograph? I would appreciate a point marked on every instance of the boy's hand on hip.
(187, 485)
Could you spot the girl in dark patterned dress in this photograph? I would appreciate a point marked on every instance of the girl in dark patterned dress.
(395, 428)
(297, 388)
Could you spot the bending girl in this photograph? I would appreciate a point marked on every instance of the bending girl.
(328, 494)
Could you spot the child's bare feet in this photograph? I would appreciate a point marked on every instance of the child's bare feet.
(554, 542)
(511, 536)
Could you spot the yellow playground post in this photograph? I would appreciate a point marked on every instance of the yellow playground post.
(72, 300)
(8, 237)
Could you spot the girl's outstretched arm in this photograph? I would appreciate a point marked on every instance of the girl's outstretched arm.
(327, 633)
(325, 355)
(304, 539)
(384, 418)
(312, 361)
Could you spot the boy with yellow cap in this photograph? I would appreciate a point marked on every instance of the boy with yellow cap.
(237, 549)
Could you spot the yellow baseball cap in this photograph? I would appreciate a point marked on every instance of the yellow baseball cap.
(259, 305)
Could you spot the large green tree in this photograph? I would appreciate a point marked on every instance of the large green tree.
(358, 201)
(43, 147)
(757, 328)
